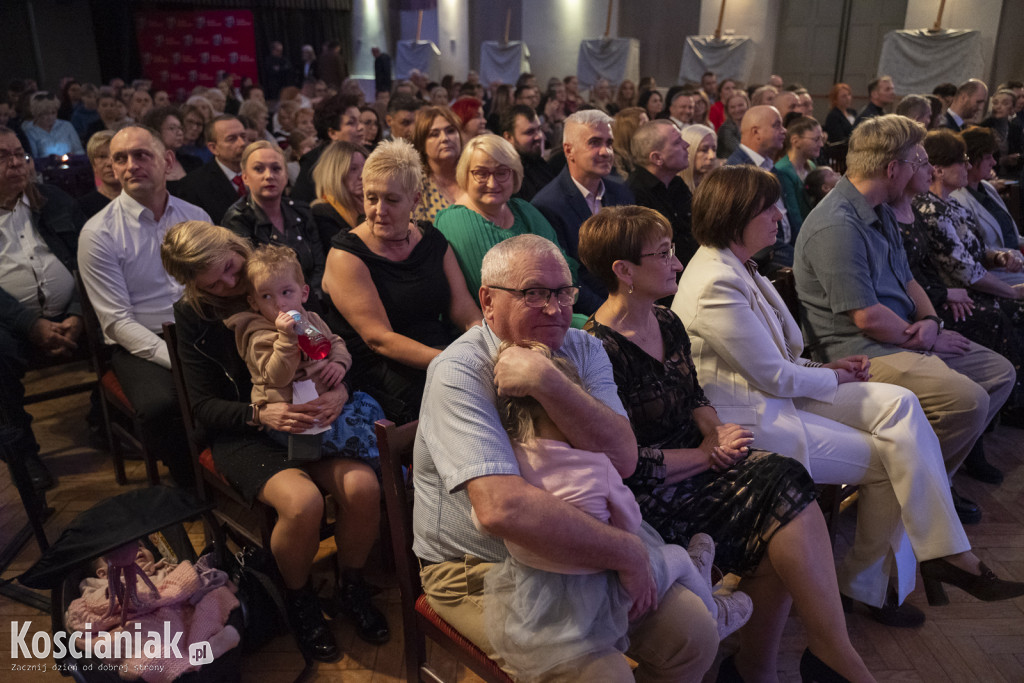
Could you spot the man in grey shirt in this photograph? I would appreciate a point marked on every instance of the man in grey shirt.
(464, 462)
(859, 296)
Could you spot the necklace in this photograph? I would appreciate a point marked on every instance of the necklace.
(398, 240)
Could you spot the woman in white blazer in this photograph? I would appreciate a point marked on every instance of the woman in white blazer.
(747, 350)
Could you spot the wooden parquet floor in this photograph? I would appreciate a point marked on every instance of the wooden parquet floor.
(965, 641)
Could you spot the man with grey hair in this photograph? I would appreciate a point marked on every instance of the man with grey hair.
(464, 464)
(119, 259)
(859, 296)
(581, 189)
(969, 100)
(659, 154)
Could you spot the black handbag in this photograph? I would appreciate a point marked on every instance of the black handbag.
(254, 572)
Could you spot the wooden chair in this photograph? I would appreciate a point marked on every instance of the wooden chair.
(418, 617)
(831, 496)
(251, 523)
(119, 417)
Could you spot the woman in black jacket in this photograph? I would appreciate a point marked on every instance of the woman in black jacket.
(208, 260)
(265, 216)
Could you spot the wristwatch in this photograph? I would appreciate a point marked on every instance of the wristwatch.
(938, 321)
(252, 415)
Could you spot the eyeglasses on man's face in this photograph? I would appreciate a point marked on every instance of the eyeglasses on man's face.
(538, 297)
(8, 158)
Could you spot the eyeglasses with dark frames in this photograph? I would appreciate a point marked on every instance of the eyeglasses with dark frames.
(538, 297)
(482, 175)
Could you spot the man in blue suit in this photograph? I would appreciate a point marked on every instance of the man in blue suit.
(761, 138)
(580, 190)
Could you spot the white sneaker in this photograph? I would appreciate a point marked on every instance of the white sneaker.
(734, 610)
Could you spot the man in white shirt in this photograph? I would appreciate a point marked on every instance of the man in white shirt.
(119, 258)
(39, 312)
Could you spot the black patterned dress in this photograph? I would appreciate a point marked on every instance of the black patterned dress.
(742, 508)
(995, 323)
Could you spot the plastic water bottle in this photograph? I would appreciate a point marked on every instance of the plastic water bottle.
(312, 341)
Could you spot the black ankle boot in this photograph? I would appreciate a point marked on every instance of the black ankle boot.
(978, 467)
(311, 631)
(813, 670)
(353, 601)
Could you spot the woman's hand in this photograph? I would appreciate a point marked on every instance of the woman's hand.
(726, 445)
(851, 369)
(959, 303)
(295, 419)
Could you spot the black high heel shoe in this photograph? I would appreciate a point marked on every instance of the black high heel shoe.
(986, 586)
(813, 670)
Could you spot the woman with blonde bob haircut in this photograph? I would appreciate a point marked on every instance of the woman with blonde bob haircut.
(699, 473)
(489, 173)
(210, 262)
(338, 177)
(437, 137)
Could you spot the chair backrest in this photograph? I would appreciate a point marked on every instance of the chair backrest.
(184, 404)
(395, 444)
(785, 284)
(93, 332)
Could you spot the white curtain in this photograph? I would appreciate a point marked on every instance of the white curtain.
(613, 58)
(422, 55)
(918, 60)
(503, 63)
(728, 57)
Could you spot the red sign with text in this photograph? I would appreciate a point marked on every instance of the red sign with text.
(181, 50)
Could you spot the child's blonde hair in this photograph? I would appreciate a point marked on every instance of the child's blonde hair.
(519, 414)
(268, 260)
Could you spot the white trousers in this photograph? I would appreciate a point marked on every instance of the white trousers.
(877, 436)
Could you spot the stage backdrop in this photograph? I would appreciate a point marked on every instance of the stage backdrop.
(181, 50)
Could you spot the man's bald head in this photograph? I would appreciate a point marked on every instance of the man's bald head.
(970, 99)
(761, 130)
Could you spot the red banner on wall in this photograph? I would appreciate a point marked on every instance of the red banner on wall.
(181, 50)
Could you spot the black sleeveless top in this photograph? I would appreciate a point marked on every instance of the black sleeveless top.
(414, 292)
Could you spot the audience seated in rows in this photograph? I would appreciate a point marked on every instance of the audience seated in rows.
(858, 299)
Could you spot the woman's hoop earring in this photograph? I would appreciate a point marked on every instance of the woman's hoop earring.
(630, 290)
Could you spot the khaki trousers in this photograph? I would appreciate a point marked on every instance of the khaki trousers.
(675, 643)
